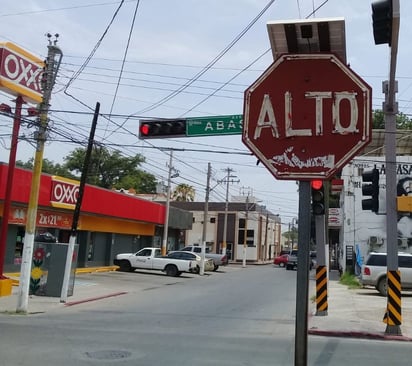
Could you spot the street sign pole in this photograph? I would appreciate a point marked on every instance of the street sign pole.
(302, 282)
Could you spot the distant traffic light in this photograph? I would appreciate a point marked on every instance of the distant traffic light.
(155, 129)
(382, 21)
(371, 189)
(318, 197)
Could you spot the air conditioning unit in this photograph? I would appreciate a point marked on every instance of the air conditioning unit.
(375, 240)
(403, 243)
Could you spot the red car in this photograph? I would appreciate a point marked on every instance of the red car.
(281, 260)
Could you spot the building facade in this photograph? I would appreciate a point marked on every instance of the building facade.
(110, 222)
(247, 224)
(364, 231)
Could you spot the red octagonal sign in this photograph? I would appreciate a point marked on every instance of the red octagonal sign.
(307, 116)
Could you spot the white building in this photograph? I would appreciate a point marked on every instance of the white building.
(262, 229)
(365, 231)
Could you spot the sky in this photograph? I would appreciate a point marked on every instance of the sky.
(134, 57)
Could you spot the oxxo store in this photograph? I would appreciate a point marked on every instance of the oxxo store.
(110, 222)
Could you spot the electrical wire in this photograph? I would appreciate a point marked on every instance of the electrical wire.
(96, 47)
(209, 65)
(123, 63)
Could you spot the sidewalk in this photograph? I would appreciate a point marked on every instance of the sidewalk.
(87, 289)
(356, 313)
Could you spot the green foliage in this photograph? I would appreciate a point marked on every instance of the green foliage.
(403, 122)
(350, 280)
(48, 167)
(112, 170)
(106, 169)
(291, 236)
(183, 193)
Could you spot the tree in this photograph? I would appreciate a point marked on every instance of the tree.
(183, 193)
(48, 167)
(291, 236)
(403, 122)
(112, 170)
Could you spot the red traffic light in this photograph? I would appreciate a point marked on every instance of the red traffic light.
(144, 129)
(316, 184)
(150, 129)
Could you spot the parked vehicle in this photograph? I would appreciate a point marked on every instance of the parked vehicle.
(218, 259)
(374, 271)
(180, 254)
(292, 262)
(151, 258)
(281, 260)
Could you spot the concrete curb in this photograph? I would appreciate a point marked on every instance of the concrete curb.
(358, 334)
(72, 303)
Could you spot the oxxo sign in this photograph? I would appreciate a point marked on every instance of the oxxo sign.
(20, 72)
(64, 192)
(307, 116)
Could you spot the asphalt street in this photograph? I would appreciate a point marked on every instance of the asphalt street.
(351, 312)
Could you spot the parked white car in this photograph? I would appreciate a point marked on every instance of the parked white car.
(374, 271)
(180, 254)
(218, 259)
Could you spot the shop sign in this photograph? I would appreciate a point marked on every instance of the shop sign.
(20, 72)
(44, 218)
(64, 192)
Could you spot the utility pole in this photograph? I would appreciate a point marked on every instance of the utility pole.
(168, 193)
(76, 214)
(229, 179)
(245, 235)
(206, 209)
(266, 236)
(244, 251)
(54, 57)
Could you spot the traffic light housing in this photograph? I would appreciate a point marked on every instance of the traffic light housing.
(382, 21)
(156, 129)
(318, 197)
(371, 189)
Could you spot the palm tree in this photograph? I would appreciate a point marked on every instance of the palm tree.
(183, 193)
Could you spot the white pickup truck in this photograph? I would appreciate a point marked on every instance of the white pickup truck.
(218, 259)
(151, 259)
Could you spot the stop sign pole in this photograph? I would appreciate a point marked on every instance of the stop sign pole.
(305, 117)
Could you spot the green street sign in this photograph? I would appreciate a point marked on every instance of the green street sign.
(215, 125)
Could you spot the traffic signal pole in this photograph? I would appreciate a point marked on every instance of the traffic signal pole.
(386, 19)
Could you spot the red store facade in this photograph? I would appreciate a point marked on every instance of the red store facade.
(110, 222)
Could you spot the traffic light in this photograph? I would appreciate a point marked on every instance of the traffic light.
(150, 129)
(318, 197)
(371, 189)
(382, 21)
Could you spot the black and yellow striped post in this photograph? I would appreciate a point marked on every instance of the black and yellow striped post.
(321, 290)
(393, 315)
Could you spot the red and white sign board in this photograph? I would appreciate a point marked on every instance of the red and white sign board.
(64, 192)
(307, 116)
(20, 72)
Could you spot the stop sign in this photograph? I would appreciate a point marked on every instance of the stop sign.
(307, 116)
